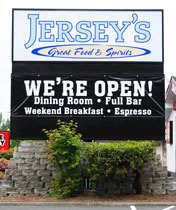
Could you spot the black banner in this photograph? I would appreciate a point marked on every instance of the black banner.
(105, 106)
(87, 96)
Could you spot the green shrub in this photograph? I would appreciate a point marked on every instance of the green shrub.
(119, 159)
(14, 143)
(6, 154)
(65, 149)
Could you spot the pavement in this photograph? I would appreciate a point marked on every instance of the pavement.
(102, 203)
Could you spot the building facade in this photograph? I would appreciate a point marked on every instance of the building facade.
(170, 118)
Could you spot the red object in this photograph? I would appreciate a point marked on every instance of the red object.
(174, 105)
(169, 132)
(4, 140)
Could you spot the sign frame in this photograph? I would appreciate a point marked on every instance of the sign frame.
(151, 66)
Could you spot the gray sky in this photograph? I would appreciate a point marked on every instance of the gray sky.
(6, 34)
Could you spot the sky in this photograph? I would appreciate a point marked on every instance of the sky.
(6, 33)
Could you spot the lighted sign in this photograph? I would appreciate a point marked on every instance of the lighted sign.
(87, 35)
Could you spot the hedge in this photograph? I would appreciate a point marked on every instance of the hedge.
(119, 159)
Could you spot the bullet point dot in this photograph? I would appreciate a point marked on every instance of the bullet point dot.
(99, 100)
(150, 94)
